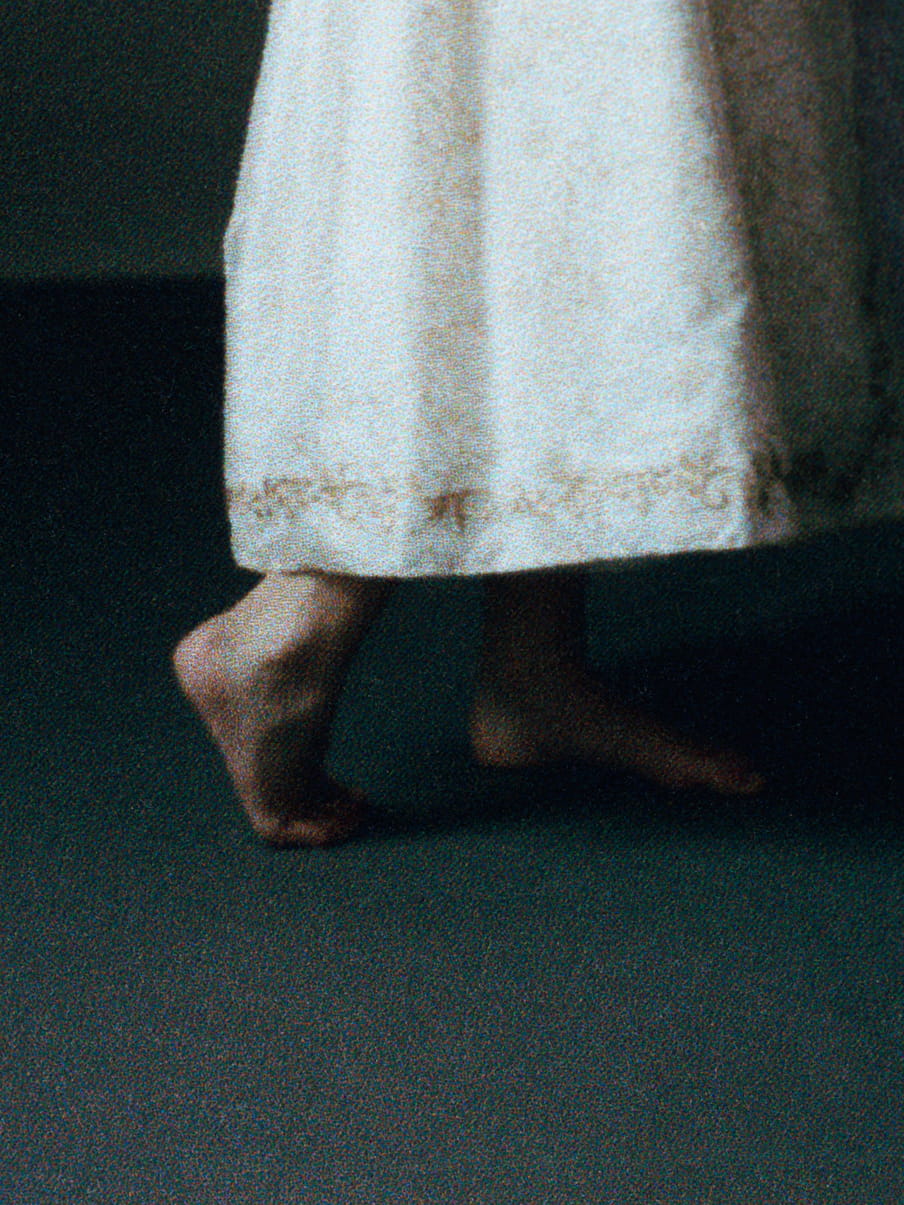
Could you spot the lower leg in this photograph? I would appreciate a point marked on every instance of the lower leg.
(538, 700)
(533, 620)
(265, 677)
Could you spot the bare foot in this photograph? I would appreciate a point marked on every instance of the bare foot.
(574, 718)
(265, 677)
(537, 701)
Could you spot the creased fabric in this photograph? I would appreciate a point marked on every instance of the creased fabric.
(513, 285)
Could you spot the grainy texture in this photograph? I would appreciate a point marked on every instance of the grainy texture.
(512, 286)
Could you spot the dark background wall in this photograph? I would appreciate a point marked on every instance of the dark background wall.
(121, 132)
(121, 125)
(556, 986)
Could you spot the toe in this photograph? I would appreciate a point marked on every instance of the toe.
(729, 774)
(334, 819)
(734, 776)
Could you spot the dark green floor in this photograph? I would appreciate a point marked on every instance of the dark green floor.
(538, 988)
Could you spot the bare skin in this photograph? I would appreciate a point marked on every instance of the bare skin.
(537, 699)
(266, 677)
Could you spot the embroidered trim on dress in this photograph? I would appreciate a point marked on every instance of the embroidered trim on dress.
(701, 479)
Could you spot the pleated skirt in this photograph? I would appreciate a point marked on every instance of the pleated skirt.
(515, 284)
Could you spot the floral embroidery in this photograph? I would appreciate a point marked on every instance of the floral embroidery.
(702, 479)
(460, 226)
(454, 506)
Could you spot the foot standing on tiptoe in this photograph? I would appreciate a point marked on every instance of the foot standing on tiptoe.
(518, 291)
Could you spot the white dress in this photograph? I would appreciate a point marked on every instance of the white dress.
(515, 284)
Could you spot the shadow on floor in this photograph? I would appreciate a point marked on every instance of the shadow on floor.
(559, 986)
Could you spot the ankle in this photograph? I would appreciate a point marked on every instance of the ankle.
(534, 624)
(286, 612)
